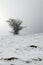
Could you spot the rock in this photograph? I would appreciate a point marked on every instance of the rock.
(12, 58)
(35, 59)
(39, 59)
(33, 46)
(12, 64)
(28, 61)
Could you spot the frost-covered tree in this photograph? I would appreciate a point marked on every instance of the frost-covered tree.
(15, 25)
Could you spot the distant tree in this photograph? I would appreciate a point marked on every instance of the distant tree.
(16, 25)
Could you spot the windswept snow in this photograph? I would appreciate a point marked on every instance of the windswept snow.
(20, 47)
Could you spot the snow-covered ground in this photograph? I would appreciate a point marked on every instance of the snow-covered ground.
(21, 50)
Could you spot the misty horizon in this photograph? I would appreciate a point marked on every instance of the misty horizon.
(29, 11)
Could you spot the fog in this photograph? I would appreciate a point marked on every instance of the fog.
(29, 11)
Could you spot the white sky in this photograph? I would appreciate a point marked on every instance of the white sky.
(29, 11)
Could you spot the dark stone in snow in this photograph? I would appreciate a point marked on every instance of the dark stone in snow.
(39, 59)
(12, 58)
(28, 61)
(33, 46)
(12, 64)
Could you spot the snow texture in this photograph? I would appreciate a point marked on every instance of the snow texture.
(21, 50)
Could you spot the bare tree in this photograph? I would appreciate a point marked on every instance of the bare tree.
(16, 25)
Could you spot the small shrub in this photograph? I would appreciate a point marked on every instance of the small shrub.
(15, 25)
